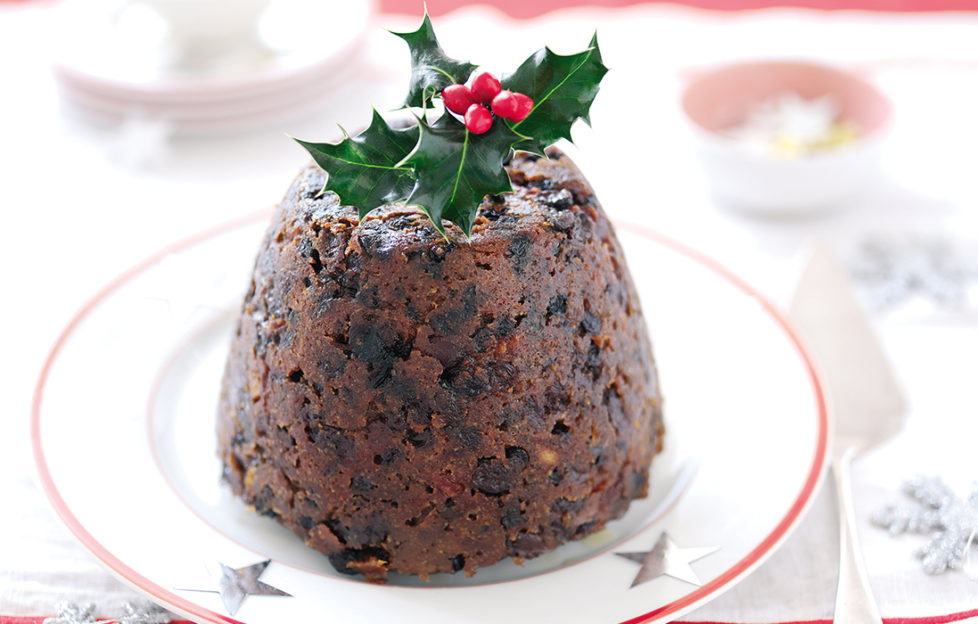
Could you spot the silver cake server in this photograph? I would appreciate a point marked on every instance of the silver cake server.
(865, 401)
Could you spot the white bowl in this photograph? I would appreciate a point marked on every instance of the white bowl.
(769, 183)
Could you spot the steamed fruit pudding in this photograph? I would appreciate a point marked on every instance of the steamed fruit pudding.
(441, 360)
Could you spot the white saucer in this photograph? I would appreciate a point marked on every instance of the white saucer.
(115, 61)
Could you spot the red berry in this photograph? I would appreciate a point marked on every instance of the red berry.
(484, 88)
(457, 98)
(478, 119)
(523, 107)
(512, 106)
(504, 105)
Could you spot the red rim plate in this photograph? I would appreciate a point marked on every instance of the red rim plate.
(191, 609)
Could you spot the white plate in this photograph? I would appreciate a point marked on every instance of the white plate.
(123, 435)
(132, 65)
(130, 72)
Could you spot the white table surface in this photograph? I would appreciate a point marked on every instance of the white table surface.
(78, 204)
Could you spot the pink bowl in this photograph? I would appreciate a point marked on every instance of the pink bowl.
(769, 184)
(723, 97)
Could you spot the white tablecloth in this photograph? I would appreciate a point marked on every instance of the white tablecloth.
(76, 208)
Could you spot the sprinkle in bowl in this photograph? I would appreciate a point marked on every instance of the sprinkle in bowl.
(786, 137)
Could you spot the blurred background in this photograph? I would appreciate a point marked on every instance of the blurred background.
(746, 129)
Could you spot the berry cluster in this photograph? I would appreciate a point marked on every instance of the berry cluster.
(471, 102)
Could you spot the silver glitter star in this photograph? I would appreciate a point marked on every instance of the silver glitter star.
(952, 521)
(71, 613)
(667, 558)
(895, 271)
(236, 584)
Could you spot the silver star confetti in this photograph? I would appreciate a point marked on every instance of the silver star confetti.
(666, 558)
(895, 271)
(236, 584)
(71, 613)
(952, 521)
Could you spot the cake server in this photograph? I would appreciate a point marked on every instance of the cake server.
(865, 400)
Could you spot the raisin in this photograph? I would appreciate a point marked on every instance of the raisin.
(465, 378)
(373, 240)
(451, 320)
(458, 562)
(361, 484)
(518, 457)
(419, 438)
(491, 214)
(401, 222)
(331, 438)
(438, 252)
(512, 518)
(353, 561)
(557, 305)
(387, 457)
(564, 505)
(317, 264)
(527, 545)
(492, 478)
(368, 344)
(518, 252)
(560, 200)
(593, 363)
(263, 502)
(590, 325)
(470, 436)
(504, 325)
(584, 529)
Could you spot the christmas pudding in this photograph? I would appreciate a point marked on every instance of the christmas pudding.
(424, 383)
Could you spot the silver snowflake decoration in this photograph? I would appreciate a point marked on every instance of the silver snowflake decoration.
(71, 613)
(951, 521)
(897, 270)
(144, 614)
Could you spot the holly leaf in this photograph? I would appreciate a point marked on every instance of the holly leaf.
(455, 169)
(562, 89)
(431, 69)
(365, 170)
(442, 167)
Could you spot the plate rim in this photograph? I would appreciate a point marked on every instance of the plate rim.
(186, 607)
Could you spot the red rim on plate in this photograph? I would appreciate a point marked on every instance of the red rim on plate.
(187, 608)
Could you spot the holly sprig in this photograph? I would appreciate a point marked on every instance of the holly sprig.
(447, 166)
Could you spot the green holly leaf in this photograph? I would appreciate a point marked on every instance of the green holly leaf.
(431, 69)
(562, 89)
(455, 169)
(365, 170)
(441, 167)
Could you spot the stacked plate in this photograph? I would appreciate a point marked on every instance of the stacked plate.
(118, 61)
